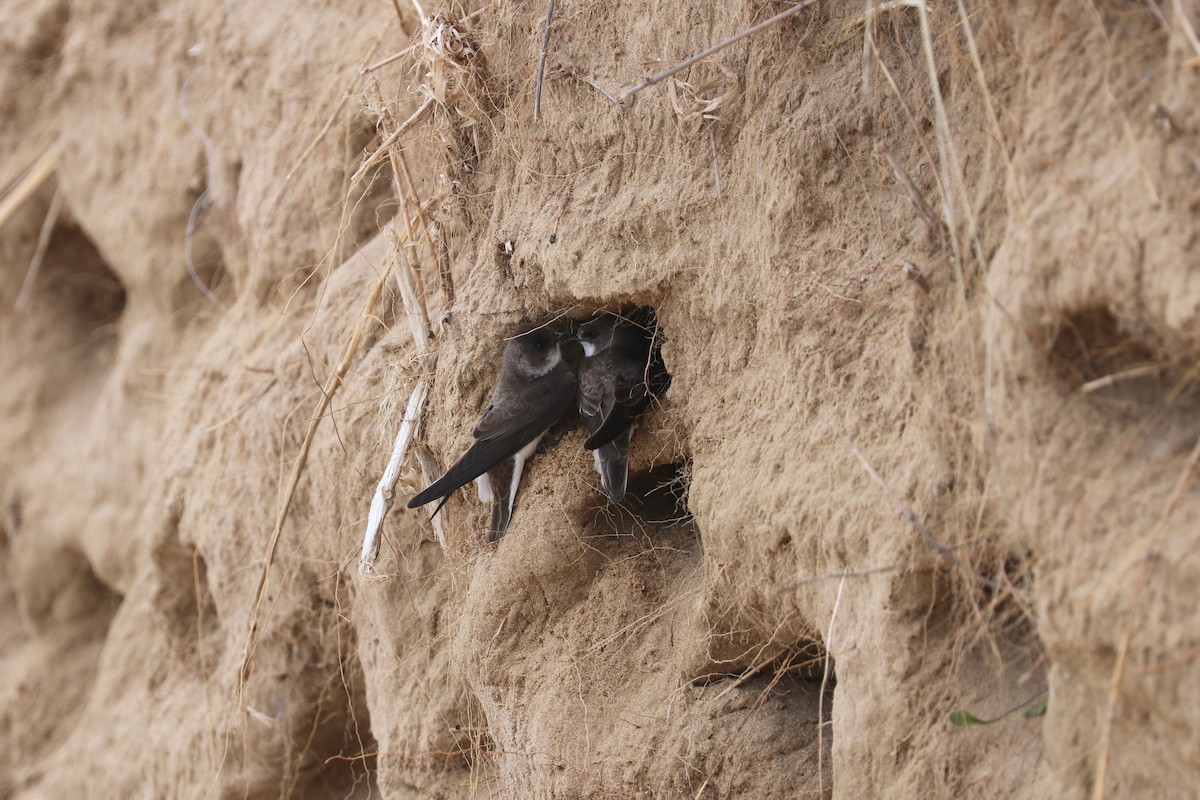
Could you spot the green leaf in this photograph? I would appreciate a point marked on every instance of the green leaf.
(1038, 709)
(965, 719)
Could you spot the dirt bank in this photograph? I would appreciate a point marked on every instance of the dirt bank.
(930, 301)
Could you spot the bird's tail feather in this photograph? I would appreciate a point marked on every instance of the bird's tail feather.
(613, 463)
(501, 515)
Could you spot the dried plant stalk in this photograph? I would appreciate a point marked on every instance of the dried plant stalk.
(385, 492)
(24, 187)
(716, 48)
(330, 389)
(39, 254)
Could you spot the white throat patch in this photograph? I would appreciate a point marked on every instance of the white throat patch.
(555, 358)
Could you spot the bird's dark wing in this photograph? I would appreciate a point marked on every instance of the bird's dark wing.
(636, 380)
(508, 424)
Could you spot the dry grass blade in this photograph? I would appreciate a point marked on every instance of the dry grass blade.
(1144, 371)
(383, 62)
(703, 102)
(334, 382)
(445, 272)
(1189, 31)
(825, 673)
(411, 291)
(449, 55)
(429, 471)
(198, 205)
(1114, 685)
(911, 516)
(541, 70)
(39, 254)
(24, 186)
(716, 48)
(946, 160)
(391, 140)
(914, 194)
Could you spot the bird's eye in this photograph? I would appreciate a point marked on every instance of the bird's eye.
(587, 335)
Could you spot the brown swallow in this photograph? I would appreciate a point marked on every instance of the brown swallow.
(535, 390)
(621, 373)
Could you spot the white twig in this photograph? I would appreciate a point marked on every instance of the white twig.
(418, 320)
(824, 684)
(716, 48)
(385, 492)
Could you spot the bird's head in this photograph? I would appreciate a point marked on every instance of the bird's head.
(533, 350)
(607, 330)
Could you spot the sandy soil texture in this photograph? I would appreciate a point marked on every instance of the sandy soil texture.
(929, 286)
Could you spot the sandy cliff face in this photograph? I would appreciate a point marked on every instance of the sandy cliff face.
(930, 301)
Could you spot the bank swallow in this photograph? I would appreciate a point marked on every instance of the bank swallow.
(621, 373)
(535, 390)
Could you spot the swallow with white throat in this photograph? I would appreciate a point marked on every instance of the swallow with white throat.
(536, 389)
(621, 374)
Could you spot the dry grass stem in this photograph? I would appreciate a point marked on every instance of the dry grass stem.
(24, 186)
(862, 573)
(541, 70)
(827, 669)
(385, 492)
(383, 62)
(716, 162)
(1117, 377)
(716, 48)
(914, 194)
(911, 516)
(334, 382)
(392, 138)
(1189, 32)
(445, 267)
(429, 472)
(942, 127)
(198, 206)
(411, 292)
(1114, 686)
(445, 274)
(39, 254)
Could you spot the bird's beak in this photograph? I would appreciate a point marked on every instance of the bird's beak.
(567, 336)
